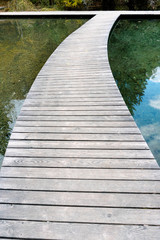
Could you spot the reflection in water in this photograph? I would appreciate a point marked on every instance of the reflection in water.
(155, 103)
(134, 54)
(155, 75)
(25, 45)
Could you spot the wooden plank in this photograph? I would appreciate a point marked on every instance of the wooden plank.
(87, 186)
(73, 82)
(76, 108)
(78, 137)
(77, 144)
(81, 214)
(72, 87)
(74, 113)
(74, 124)
(80, 153)
(56, 103)
(46, 85)
(74, 96)
(63, 173)
(72, 231)
(74, 91)
(75, 118)
(77, 100)
(83, 79)
(54, 198)
(80, 163)
(81, 130)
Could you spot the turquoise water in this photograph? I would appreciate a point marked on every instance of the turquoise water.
(134, 55)
(25, 45)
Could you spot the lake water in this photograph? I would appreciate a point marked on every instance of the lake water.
(134, 55)
(25, 45)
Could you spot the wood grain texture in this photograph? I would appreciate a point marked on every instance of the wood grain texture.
(78, 136)
(80, 162)
(119, 200)
(81, 214)
(78, 153)
(77, 166)
(67, 173)
(50, 230)
(68, 185)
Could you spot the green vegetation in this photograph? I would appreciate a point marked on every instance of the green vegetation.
(131, 4)
(28, 43)
(20, 5)
(70, 4)
(34, 5)
(29, 5)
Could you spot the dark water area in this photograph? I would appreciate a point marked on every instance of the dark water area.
(134, 55)
(25, 45)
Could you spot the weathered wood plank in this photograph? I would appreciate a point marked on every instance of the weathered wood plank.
(80, 163)
(75, 153)
(74, 92)
(75, 113)
(72, 87)
(56, 103)
(75, 118)
(120, 174)
(79, 130)
(74, 124)
(77, 145)
(88, 186)
(78, 137)
(72, 231)
(73, 96)
(74, 79)
(76, 108)
(81, 214)
(118, 200)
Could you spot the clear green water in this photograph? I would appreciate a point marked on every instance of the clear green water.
(134, 55)
(25, 45)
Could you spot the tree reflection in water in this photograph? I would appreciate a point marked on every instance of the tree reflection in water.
(134, 55)
(25, 45)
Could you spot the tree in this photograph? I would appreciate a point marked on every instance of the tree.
(138, 5)
(51, 2)
(108, 4)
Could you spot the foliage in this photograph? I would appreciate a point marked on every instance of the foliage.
(73, 3)
(3, 2)
(25, 5)
(20, 5)
(154, 4)
(131, 4)
(133, 54)
(41, 2)
(70, 4)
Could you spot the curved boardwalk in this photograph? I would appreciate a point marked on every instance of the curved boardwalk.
(77, 166)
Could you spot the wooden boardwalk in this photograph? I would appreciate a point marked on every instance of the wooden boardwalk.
(77, 166)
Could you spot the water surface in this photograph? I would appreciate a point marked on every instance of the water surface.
(134, 55)
(25, 45)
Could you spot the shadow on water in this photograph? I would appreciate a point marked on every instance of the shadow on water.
(134, 55)
(25, 45)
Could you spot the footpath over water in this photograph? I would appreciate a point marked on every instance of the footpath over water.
(77, 166)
